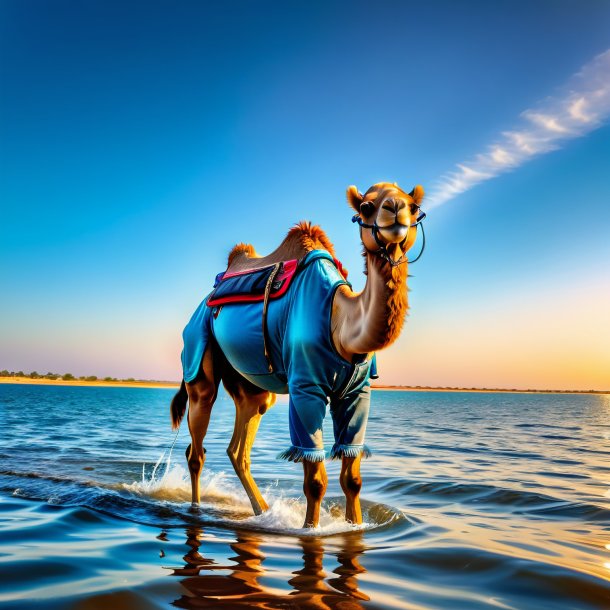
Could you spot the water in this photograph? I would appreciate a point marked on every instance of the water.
(471, 500)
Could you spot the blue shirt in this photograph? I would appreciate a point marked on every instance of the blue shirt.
(305, 362)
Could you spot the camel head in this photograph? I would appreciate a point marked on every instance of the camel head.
(388, 218)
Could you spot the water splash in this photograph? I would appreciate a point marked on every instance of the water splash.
(171, 482)
(225, 503)
(287, 515)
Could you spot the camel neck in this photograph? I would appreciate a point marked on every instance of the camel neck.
(372, 319)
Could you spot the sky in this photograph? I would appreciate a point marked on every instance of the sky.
(139, 141)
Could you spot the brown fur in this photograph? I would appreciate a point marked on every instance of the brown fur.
(178, 406)
(239, 250)
(396, 299)
(311, 237)
(398, 303)
(379, 191)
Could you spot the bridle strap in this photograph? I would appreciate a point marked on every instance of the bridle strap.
(423, 244)
(383, 251)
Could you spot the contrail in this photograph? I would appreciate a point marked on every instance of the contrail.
(582, 107)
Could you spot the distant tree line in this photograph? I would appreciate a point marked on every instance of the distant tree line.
(63, 376)
(464, 389)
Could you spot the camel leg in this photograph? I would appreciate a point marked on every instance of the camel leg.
(251, 403)
(249, 408)
(315, 482)
(202, 394)
(351, 483)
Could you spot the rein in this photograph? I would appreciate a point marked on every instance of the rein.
(383, 251)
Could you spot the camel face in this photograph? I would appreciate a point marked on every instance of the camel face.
(387, 214)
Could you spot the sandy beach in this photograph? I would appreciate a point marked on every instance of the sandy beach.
(83, 383)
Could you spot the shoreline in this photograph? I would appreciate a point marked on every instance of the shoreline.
(393, 388)
(83, 383)
(174, 385)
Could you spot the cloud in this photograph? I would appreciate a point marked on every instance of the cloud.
(582, 107)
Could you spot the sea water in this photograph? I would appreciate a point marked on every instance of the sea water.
(470, 500)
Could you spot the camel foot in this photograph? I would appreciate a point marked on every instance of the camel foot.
(260, 508)
(309, 526)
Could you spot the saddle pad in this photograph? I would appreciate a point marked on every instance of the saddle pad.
(248, 286)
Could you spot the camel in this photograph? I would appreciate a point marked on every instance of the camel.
(316, 342)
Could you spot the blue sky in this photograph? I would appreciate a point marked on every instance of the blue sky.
(140, 141)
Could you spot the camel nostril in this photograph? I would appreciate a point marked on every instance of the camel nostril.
(395, 206)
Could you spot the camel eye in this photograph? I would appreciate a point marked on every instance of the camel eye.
(414, 208)
(367, 208)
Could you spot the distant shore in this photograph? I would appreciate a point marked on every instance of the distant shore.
(174, 384)
(400, 388)
(81, 382)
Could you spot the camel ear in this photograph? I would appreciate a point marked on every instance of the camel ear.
(418, 194)
(354, 197)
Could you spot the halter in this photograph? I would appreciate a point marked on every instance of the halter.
(383, 251)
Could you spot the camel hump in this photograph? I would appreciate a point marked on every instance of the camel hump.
(311, 237)
(301, 239)
(241, 250)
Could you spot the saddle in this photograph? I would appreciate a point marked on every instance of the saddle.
(252, 285)
(256, 285)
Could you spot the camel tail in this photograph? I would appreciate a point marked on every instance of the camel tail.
(178, 406)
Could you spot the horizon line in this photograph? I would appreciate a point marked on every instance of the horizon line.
(83, 381)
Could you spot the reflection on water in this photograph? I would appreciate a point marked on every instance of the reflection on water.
(213, 585)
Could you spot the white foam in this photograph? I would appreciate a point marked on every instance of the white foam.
(230, 506)
(286, 516)
(171, 482)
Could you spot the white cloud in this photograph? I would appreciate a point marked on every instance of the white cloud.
(501, 156)
(545, 121)
(583, 106)
(577, 110)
